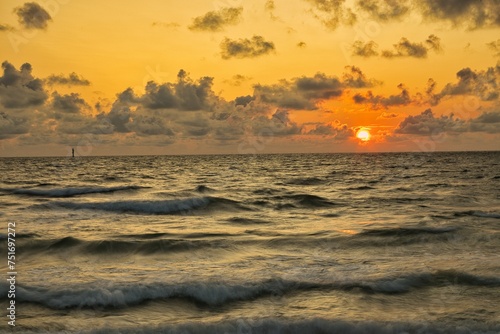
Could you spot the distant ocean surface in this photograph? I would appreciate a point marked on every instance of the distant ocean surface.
(305, 243)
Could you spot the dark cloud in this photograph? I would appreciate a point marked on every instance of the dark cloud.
(246, 48)
(336, 130)
(487, 122)
(217, 20)
(401, 99)
(32, 16)
(405, 48)
(185, 94)
(301, 45)
(68, 103)
(237, 80)
(333, 13)
(269, 6)
(495, 47)
(355, 78)
(12, 125)
(72, 79)
(279, 124)
(6, 27)
(427, 124)
(386, 10)
(484, 84)
(19, 89)
(472, 14)
(243, 100)
(304, 92)
(366, 50)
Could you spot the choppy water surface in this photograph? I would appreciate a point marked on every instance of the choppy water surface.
(340, 243)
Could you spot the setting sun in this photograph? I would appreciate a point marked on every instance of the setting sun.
(363, 135)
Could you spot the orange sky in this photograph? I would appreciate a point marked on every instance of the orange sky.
(258, 76)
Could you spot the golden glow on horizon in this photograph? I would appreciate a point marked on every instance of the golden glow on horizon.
(363, 135)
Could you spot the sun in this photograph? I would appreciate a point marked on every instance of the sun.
(363, 135)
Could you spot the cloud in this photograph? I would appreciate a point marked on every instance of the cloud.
(269, 7)
(72, 79)
(243, 100)
(401, 99)
(305, 92)
(495, 47)
(335, 129)
(12, 125)
(405, 48)
(246, 48)
(217, 20)
(237, 80)
(366, 50)
(168, 25)
(6, 27)
(68, 103)
(484, 84)
(384, 11)
(487, 122)
(185, 94)
(19, 89)
(427, 124)
(301, 45)
(32, 16)
(470, 13)
(333, 13)
(279, 125)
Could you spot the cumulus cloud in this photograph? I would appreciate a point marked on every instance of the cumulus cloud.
(484, 84)
(305, 92)
(12, 125)
(32, 16)
(400, 99)
(387, 10)
(6, 27)
(72, 79)
(246, 48)
(184, 94)
(495, 47)
(19, 89)
(279, 124)
(237, 79)
(335, 129)
(333, 13)
(405, 48)
(487, 122)
(301, 45)
(427, 124)
(366, 50)
(217, 20)
(68, 103)
(469, 13)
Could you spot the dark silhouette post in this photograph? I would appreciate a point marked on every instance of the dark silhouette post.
(73, 152)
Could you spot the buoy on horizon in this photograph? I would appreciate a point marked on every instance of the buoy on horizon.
(73, 152)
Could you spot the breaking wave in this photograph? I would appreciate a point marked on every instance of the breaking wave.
(68, 192)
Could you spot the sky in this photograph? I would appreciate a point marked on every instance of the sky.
(247, 77)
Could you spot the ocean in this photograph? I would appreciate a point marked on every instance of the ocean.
(293, 243)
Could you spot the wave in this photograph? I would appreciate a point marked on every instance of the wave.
(403, 231)
(217, 293)
(309, 326)
(361, 188)
(204, 189)
(481, 214)
(148, 244)
(306, 181)
(68, 192)
(304, 200)
(246, 221)
(164, 207)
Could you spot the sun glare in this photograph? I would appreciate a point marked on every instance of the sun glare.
(363, 135)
